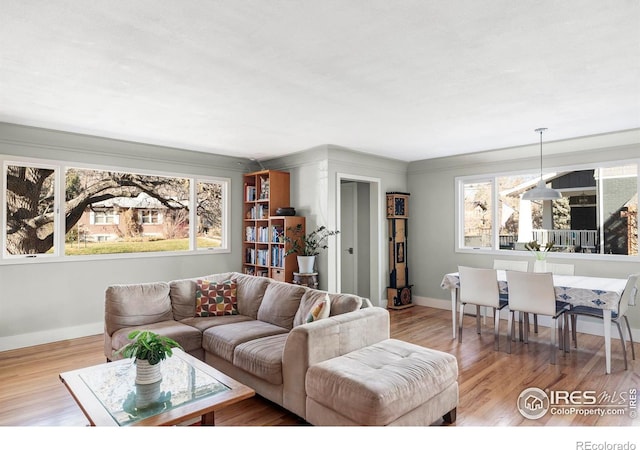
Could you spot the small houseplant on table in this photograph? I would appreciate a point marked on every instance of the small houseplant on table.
(148, 349)
(307, 246)
(540, 264)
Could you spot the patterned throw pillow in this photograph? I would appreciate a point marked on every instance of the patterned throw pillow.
(216, 298)
(319, 310)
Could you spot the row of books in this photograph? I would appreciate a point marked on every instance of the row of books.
(258, 212)
(261, 234)
(251, 193)
(259, 256)
(277, 256)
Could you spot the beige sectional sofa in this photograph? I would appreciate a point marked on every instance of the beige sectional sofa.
(268, 345)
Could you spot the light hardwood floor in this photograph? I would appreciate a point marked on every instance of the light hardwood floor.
(31, 393)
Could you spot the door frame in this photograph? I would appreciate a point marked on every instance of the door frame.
(376, 233)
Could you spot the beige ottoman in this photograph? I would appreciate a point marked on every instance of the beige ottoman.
(389, 383)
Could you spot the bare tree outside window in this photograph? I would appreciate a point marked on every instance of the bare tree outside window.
(209, 214)
(29, 210)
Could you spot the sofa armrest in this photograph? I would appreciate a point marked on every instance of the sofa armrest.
(314, 342)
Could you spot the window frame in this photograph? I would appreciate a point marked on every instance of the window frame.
(461, 180)
(58, 253)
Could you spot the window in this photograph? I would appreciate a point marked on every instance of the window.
(598, 211)
(30, 209)
(210, 217)
(477, 197)
(108, 211)
(149, 216)
(104, 217)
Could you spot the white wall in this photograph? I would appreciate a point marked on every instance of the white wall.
(45, 302)
(315, 194)
(432, 213)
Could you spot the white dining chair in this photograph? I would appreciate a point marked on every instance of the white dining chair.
(534, 293)
(479, 286)
(627, 298)
(510, 264)
(556, 269)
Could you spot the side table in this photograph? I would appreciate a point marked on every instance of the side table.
(306, 279)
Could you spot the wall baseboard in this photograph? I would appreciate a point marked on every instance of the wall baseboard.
(585, 324)
(49, 336)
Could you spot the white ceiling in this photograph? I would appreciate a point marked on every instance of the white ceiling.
(262, 78)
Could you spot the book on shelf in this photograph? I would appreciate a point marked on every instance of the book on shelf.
(251, 194)
(258, 212)
(277, 233)
(249, 256)
(261, 256)
(264, 188)
(277, 257)
(263, 234)
(250, 234)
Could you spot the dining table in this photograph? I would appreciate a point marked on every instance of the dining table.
(577, 290)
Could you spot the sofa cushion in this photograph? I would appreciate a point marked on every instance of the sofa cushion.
(344, 303)
(222, 340)
(183, 294)
(340, 304)
(188, 337)
(251, 291)
(134, 305)
(262, 357)
(280, 303)
(216, 298)
(202, 323)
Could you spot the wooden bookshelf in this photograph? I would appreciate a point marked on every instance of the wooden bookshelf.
(263, 246)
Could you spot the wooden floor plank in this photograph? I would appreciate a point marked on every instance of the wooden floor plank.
(490, 382)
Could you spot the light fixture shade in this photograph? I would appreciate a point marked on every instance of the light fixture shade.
(541, 192)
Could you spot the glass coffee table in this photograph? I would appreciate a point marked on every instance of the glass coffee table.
(189, 389)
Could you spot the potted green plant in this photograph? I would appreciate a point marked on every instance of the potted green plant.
(148, 349)
(307, 245)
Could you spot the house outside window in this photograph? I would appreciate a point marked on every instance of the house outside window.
(597, 214)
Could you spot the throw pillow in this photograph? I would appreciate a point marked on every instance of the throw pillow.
(216, 298)
(320, 309)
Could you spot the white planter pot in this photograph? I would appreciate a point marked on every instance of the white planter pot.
(306, 263)
(540, 265)
(147, 373)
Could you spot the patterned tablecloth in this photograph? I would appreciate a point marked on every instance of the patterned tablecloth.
(603, 293)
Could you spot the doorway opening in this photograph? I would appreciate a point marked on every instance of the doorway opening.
(359, 241)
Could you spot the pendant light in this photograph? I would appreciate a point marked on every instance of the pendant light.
(541, 191)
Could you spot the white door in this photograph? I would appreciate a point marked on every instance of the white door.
(348, 250)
